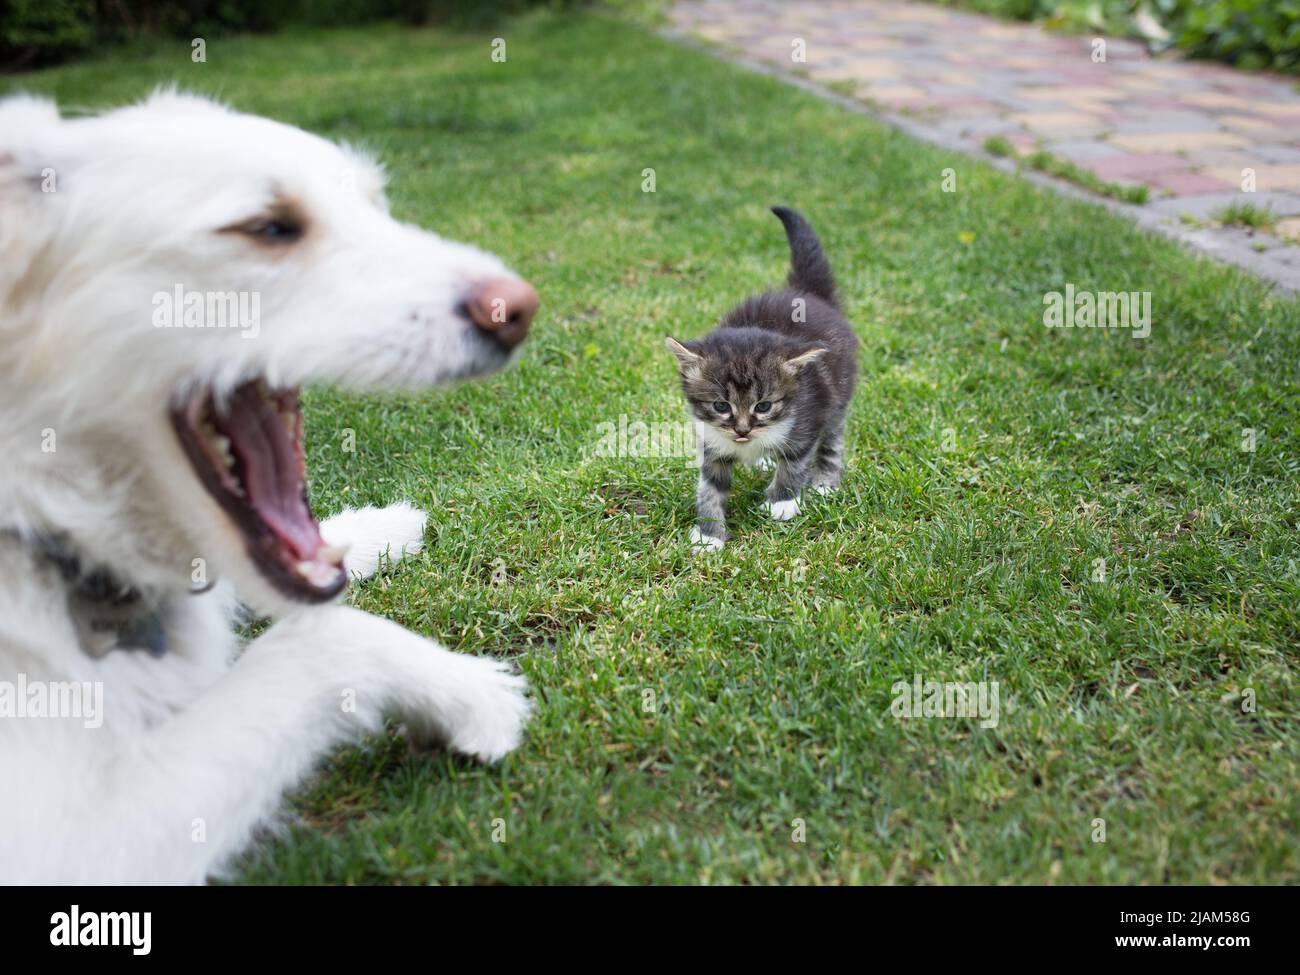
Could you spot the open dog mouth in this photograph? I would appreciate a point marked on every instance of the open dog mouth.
(248, 453)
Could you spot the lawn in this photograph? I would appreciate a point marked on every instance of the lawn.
(727, 718)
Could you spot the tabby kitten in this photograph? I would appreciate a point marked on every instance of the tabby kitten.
(771, 385)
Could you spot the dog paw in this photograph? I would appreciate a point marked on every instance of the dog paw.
(782, 510)
(701, 542)
(371, 535)
(490, 711)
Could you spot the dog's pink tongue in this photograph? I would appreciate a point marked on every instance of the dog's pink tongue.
(273, 473)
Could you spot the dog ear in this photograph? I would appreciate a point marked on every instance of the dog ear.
(687, 361)
(22, 119)
(795, 366)
(24, 123)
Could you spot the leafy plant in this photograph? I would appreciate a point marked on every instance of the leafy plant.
(1247, 33)
(34, 33)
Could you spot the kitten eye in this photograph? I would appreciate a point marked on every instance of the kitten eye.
(722, 407)
(763, 407)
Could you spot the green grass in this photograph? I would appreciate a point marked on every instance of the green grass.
(1045, 162)
(1245, 215)
(771, 665)
(1000, 145)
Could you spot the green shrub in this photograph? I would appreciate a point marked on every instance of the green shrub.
(38, 32)
(1247, 33)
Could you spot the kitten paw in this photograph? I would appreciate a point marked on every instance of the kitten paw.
(762, 464)
(782, 510)
(705, 543)
(825, 489)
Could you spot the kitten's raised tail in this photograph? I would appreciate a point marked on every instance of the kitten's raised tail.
(809, 269)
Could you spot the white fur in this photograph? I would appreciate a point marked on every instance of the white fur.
(373, 534)
(782, 510)
(197, 747)
(705, 543)
(764, 442)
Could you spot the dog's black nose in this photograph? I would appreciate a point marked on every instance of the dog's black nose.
(504, 308)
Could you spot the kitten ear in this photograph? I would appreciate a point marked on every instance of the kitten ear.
(686, 359)
(794, 366)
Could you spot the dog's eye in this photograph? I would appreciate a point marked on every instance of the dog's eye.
(274, 231)
(721, 407)
(764, 407)
(277, 229)
(282, 224)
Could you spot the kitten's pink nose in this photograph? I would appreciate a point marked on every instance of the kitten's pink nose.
(504, 308)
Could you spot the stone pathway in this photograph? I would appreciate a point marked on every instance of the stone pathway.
(1200, 136)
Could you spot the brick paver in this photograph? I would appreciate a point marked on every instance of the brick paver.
(1192, 132)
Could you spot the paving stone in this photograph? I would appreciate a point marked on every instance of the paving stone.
(1035, 78)
(1288, 229)
(1069, 133)
(1266, 177)
(961, 91)
(1052, 120)
(1187, 183)
(1257, 128)
(1142, 105)
(1226, 158)
(858, 71)
(872, 44)
(1013, 102)
(1289, 111)
(1136, 166)
(1219, 100)
(981, 126)
(1277, 153)
(894, 90)
(1177, 141)
(1157, 123)
(1083, 150)
(1204, 206)
(1068, 93)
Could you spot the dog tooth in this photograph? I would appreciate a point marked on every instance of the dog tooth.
(332, 553)
(223, 448)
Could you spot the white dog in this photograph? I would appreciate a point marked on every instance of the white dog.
(170, 273)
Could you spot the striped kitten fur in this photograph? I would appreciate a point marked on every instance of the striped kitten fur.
(770, 387)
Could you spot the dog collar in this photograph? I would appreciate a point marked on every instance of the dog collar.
(107, 613)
